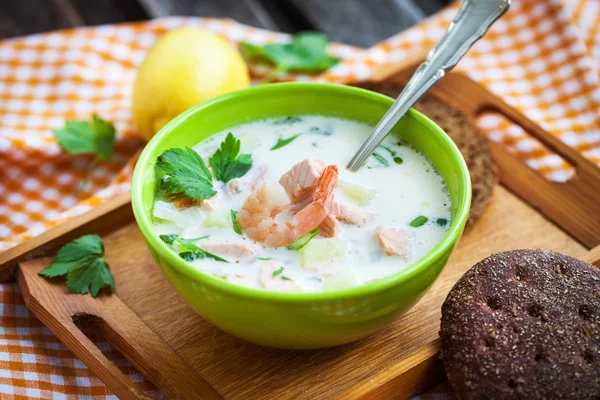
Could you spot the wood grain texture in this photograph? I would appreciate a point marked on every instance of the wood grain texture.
(359, 22)
(107, 217)
(250, 12)
(121, 327)
(23, 17)
(237, 369)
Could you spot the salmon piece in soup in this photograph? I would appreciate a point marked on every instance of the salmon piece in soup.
(394, 241)
(351, 215)
(229, 250)
(299, 182)
(271, 279)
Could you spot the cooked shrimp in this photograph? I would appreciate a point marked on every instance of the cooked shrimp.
(299, 182)
(257, 216)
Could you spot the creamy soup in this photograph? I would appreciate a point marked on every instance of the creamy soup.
(295, 219)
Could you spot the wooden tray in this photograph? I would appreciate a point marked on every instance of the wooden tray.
(187, 357)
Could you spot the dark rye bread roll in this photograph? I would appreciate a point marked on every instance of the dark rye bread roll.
(463, 132)
(524, 324)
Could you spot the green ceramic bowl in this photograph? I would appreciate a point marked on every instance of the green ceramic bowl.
(300, 320)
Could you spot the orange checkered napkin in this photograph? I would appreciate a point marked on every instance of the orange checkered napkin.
(543, 58)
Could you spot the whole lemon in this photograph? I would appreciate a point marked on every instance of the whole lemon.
(185, 67)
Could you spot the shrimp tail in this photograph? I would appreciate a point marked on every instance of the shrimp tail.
(326, 186)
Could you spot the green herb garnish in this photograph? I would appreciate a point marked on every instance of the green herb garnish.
(319, 131)
(264, 258)
(168, 239)
(287, 120)
(236, 226)
(284, 142)
(186, 174)
(278, 272)
(381, 159)
(227, 163)
(307, 52)
(303, 241)
(193, 252)
(441, 221)
(285, 278)
(417, 222)
(87, 137)
(398, 160)
(392, 152)
(82, 261)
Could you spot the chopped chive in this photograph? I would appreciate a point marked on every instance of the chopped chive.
(236, 227)
(392, 152)
(285, 278)
(284, 142)
(195, 251)
(264, 258)
(398, 160)
(287, 120)
(381, 159)
(303, 241)
(278, 272)
(441, 221)
(417, 222)
(168, 239)
(319, 131)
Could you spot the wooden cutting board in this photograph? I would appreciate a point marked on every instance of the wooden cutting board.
(185, 356)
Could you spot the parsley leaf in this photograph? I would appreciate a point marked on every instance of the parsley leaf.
(284, 142)
(82, 261)
(307, 52)
(82, 137)
(236, 226)
(168, 239)
(193, 252)
(303, 241)
(226, 163)
(186, 174)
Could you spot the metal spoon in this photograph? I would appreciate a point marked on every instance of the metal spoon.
(472, 21)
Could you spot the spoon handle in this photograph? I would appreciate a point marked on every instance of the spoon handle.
(472, 21)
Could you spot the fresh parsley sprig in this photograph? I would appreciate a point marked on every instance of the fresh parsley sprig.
(227, 162)
(307, 52)
(82, 261)
(95, 137)
(186, 174)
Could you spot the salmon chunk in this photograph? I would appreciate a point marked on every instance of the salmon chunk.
(248, 181)
(299, 182)
(282, 282)
(330, 227)
(229, 250)
(394, 241)
(350, 214)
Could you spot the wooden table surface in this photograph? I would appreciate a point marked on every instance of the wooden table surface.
(356, 22)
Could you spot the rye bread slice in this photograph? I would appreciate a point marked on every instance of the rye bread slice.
(524, 324)
(463, 132)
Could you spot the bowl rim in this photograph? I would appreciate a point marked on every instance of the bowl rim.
(144, 220)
